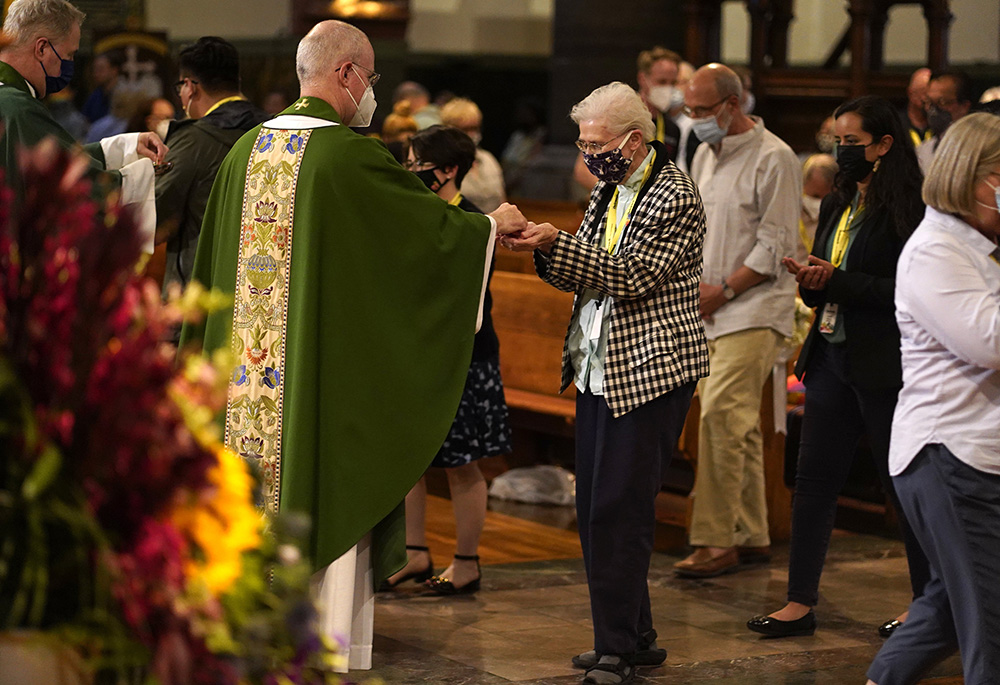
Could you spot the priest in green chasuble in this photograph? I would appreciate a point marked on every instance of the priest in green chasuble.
(357, 294)
(41, 39)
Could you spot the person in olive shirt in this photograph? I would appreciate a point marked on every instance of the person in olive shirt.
(218, 115)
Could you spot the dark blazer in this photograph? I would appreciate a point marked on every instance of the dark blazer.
(657, 339)
(865, 293)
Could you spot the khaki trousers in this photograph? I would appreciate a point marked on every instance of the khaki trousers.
(730, 508)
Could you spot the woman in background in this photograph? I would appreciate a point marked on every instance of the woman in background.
(441, 156)
(850, 362)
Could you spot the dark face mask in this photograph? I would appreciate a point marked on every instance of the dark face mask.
(938, 120)
(429, 179)
(852, 162)
(53, 84)
(611, 166)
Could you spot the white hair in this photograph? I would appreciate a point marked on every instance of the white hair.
(327, 44)
(990, 94)
(618, 107)
(29, 19)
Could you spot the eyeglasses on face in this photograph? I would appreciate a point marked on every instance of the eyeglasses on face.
(589, 148)
(418, 165)
(373, 76)
(180, 84)
(702, 112)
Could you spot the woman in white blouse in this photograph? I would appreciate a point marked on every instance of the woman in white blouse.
(945, 452)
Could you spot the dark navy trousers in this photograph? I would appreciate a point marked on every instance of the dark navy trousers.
(619, 462)
(955, 512)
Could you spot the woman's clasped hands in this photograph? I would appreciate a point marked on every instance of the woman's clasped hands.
(813, 275)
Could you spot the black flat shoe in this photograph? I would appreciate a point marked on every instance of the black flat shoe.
(889, 627)
(421, 576)
(440, 585)
(772, 627)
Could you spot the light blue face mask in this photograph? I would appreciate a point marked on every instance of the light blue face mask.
(708, 129)
(996, 197)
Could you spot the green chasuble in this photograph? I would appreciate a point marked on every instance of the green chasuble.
(27, 121)
(357, 292)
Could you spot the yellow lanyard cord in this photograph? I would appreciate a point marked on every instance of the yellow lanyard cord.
(804, 235)
(661, 128)
(915, 137)
(613, 231)
(455, 200)
(234, 98)
(842, 237)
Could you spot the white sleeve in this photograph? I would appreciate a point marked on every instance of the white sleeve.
(490, 245)
(138, 191)
(120, 150)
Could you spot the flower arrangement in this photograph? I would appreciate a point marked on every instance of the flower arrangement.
(126, 530)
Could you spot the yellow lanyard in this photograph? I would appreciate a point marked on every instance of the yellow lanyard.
(455, 200)
(234, 98)
(915, 137)
(613, 230)
(804, 235)
(661, 128)
(842, 237)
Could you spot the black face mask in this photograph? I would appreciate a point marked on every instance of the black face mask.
(852, 162)
(938, 120)
(429, 179)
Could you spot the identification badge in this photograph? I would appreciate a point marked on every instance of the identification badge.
(829, 320)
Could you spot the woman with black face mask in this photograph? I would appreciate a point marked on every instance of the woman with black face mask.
(441, 156)
(850, 362)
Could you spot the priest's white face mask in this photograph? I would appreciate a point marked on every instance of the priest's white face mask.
(366, 108)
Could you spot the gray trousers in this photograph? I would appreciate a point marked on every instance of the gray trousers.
(954, 510)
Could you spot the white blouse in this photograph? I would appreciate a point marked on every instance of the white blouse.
(948, 311)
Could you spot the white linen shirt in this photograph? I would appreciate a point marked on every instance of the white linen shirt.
(752, 190)
(948, 311)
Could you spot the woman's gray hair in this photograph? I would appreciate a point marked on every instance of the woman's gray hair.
(618, 107)
(968, 152)
(30, 19)
(328, 44)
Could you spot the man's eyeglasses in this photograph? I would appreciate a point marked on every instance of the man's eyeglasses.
(373, 76)
(702, 112)
(180, 84)
(589, 148)
(940, 103)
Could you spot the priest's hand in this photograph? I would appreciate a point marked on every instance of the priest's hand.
(534, 237)
(509, 219)
(151, 147)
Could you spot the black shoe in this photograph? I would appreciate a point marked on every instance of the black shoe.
(889, 627)
(772, 627)
(443, 586)
(648, 654)
(417, 576)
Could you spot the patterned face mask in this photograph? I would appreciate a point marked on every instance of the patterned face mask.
(611, 166)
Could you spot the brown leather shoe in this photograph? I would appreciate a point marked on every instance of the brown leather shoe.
(701, 564)
(754, 555)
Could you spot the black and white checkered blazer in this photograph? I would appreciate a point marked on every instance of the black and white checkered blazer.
(657, 340)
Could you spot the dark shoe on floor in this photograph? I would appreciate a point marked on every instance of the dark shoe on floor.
(772, 627)
(754, 555)
(416, 576)
(648, 654)
(701, 564)
(889, 627)
(443, 586)
(610, 670)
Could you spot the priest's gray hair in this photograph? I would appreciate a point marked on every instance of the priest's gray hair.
(618, 107)
(30, 19)
(325, 47)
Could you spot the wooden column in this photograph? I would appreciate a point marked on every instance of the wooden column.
(702, 38)
(759, 11)
(861, 12)
(939, 18)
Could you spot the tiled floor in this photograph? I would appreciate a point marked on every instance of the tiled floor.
(530, 617)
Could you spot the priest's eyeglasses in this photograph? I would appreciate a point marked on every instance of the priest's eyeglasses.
(373, 76)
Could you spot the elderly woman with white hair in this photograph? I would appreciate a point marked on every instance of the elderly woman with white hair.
(945, 452)
(635, 350)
